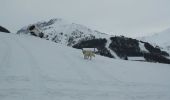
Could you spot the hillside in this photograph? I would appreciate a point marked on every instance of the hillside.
(36, 69)
(160, 38)
(79, 36)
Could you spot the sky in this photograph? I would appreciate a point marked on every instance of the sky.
(118, 17)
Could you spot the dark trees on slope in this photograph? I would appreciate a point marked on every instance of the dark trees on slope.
(125, 46)
(95, 43)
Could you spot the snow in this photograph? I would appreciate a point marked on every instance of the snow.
(136, 58)
(111, 51)
(142, 47)
(66, 27)
(160, 38)
(36, 69)
(61, 30)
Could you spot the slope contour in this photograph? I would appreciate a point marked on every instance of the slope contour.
(35, 69)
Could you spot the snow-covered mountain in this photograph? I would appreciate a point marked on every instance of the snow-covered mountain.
(64, 32)
(79, 36)
(162, 39)
(35, 69)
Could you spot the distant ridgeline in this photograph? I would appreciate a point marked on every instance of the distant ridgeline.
(2, 29)
(126, 47)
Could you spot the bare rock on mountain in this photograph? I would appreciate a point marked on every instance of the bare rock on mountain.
(2, 29)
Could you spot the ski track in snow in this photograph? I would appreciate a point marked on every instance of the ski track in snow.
(28, 80)
(37, 80)
(34, 69)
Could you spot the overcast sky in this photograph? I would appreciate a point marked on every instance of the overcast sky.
(120, 17)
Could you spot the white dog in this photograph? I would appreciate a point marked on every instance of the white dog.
(88, 54)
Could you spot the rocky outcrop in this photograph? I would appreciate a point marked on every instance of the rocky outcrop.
(2, 29)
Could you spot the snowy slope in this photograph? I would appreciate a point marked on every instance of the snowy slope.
(35, 69)
(162, 39)
(62, 31)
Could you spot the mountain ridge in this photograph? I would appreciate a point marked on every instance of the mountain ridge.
(80, 36)
(59, 27)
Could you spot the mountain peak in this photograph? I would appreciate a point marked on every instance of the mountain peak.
(61, 31)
